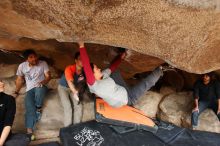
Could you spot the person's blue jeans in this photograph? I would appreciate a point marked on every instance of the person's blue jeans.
(138, 90)
(33, 100)
(17, 140)
(203, 105)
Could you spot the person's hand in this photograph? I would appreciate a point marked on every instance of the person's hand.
(39, 85)
(81, 44)
(196, 109)
(123, 55)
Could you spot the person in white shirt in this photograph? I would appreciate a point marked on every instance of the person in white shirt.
(36, 75)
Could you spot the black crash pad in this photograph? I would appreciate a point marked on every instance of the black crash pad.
(93, 133)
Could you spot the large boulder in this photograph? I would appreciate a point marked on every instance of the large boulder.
(8, 70)
(175, 107)
(148, 103)
(88, 111)
(19, 121)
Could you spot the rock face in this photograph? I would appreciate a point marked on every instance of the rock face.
(182, 32)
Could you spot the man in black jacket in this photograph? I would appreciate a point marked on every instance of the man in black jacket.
(7, 114)
(206, 95)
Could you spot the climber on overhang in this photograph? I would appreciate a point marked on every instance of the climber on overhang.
(110, 86)
(206, 95)
(36, 74)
